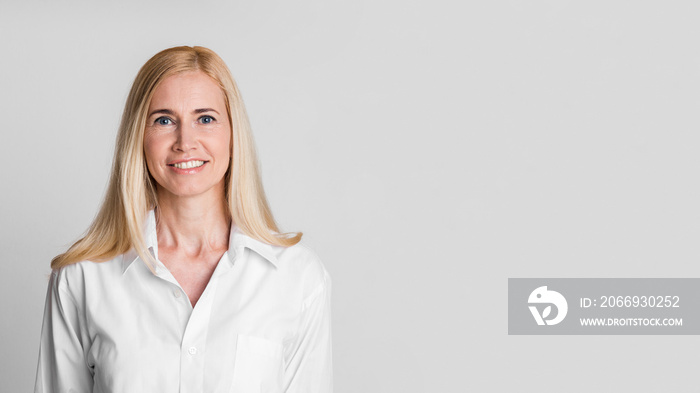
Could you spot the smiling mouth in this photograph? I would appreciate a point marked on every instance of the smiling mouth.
(188, 164)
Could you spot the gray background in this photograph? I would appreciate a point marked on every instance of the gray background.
(428, 149)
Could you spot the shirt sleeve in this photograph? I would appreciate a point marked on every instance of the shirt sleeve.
(62, 366)
(310, 368)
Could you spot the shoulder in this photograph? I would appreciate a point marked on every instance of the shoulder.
(302, 261)
(75, 278)
(300, 257)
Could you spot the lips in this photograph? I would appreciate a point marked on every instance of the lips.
(188, 166)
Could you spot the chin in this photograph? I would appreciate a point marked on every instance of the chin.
(189, 190)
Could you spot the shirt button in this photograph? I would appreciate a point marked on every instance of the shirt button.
(192, 350)
(177, 293)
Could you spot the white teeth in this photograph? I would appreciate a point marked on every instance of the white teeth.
(189, 164)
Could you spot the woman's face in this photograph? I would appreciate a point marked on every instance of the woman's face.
(187, 136)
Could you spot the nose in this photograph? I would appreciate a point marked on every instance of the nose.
(186, 138)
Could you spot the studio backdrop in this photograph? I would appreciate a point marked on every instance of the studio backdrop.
(429, 151)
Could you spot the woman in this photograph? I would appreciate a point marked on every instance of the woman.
(183, 282)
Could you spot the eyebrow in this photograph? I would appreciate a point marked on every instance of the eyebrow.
(196, 111)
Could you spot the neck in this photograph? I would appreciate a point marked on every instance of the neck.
(192, 224)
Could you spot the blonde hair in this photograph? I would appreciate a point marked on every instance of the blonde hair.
(131, 192)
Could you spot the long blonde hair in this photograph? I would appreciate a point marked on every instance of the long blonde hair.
(131, 192)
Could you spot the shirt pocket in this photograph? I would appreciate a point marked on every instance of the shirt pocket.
(258, 367)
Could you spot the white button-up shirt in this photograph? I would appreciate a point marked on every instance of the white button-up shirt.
(261, 325)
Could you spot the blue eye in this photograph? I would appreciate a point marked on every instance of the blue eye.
(163, 121)
(206, 119)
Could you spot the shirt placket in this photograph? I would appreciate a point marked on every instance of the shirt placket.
(193, 343)
(193, 347)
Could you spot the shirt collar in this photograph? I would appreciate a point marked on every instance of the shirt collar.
(236, 242)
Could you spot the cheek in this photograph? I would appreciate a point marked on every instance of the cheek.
(222, 146)
(152, 149)
(226, 150)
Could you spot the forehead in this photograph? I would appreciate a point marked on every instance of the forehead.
(188, 89)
